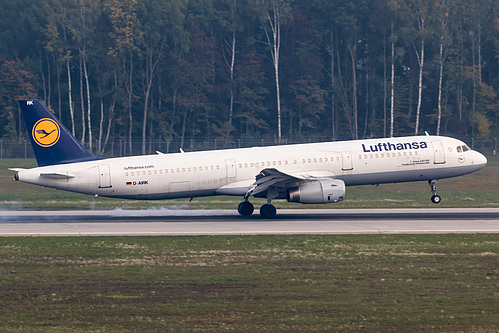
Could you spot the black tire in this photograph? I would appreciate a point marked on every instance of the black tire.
(436, 199)
(245, 208)
(268, 211)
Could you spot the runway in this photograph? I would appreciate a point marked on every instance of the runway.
(227, 222)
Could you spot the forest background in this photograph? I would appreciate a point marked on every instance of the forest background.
(226, 70)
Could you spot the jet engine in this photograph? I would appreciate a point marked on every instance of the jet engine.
(317, 192)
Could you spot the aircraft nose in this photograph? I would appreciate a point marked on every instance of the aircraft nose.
(480, 159)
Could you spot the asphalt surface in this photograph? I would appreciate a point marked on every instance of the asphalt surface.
(226, 222)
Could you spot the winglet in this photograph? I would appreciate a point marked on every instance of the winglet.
(52, 142)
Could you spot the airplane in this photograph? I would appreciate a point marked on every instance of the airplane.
(313, 173)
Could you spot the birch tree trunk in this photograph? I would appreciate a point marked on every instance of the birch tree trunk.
(111, 114)
(441, 74)
(392, 88)
(89, 118)
(353, 57)
(420, 85)
(151, 65)
(101, 124)
(232, 63)
(333, 114)
(82, 102)
(275, 26)
(71, 110)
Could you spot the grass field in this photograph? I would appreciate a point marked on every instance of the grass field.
(362, 283)
(479, 189)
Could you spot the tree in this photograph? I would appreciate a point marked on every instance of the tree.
(15, 83)
(421, 10)
(125, 34)
(275, 15)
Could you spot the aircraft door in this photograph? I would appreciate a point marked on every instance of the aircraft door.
(231, 168)
(104, 176)
(346, 157)
(438, 151)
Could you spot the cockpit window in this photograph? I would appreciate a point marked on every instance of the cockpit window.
(462, 149)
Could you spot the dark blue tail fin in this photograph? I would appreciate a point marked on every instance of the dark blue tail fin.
(52, 142)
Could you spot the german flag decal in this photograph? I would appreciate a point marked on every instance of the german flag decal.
(128, 183)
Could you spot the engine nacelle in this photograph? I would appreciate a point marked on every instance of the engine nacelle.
(317, 192)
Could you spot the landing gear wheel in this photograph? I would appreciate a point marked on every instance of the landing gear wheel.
(433, 187)
(268, 211)
(436, 199)
(245, 208)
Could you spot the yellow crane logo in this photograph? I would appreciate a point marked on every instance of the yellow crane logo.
(46, 132)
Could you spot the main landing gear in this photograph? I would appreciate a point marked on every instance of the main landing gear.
(267, 211)
(435, 198)
(245, 208)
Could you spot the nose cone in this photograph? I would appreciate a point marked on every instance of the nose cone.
(479, 160)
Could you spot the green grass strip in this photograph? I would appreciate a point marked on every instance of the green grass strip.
(372, 283)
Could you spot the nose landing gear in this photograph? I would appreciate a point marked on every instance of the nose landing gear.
(435, 198)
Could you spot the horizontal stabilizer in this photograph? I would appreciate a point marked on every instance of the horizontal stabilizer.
(57, 175)
(17, 169)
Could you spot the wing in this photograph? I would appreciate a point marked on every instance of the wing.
(269, 179)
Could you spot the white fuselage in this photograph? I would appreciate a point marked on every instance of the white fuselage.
(232, 172)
